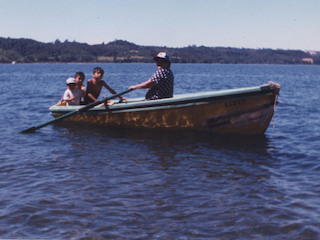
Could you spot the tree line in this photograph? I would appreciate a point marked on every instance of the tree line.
(120, 51)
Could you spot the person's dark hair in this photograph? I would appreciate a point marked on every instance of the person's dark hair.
(80, 74)
(98, 69)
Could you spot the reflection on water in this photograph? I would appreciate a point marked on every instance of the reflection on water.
(184, 138)
(165, 143)
(178, 175)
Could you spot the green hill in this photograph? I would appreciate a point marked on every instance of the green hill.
(31, 51)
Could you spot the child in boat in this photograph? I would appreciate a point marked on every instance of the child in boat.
(95, 85)
(79, 77)
(73, 94)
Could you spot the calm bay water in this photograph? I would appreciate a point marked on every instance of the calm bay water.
(66, 182)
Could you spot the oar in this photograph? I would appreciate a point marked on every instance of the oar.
(80, 110)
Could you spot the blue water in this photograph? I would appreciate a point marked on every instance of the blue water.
(71, 182)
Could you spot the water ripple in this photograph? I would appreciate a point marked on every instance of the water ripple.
(71, 182)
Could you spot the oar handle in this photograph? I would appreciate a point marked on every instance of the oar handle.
(91, 105)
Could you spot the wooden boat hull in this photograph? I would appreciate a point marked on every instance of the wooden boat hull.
(241, 111)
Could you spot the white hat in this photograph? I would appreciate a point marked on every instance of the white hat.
(162, 55)
(71, 81)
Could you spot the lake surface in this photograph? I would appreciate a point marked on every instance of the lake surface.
(65, 182)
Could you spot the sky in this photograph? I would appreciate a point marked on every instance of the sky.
(275, 24)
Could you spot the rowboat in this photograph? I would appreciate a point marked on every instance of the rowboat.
(241, 111)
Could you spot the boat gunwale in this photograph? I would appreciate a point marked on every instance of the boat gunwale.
(180, 100)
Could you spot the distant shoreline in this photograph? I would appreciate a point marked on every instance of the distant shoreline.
(119, 51)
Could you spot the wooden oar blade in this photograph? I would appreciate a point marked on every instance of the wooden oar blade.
(32, 129)
(29, 130)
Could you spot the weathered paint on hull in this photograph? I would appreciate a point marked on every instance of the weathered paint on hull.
(242, 115)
